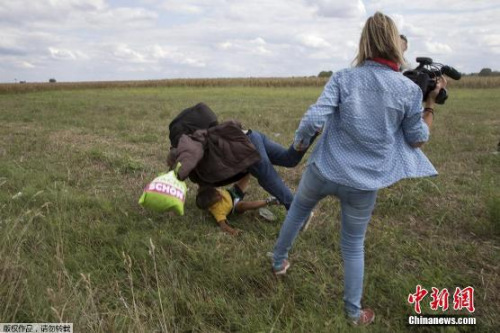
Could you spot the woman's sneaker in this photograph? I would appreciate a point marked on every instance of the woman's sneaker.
(285, 265)
(366, 317)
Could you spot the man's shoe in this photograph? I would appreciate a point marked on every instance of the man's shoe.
(272, 201)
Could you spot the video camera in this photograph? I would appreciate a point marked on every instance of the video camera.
(426, 74)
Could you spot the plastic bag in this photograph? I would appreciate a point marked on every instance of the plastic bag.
(165, 193)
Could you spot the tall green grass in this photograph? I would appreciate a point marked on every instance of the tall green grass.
(76, 247)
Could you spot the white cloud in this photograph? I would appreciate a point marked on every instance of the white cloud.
(61, 53)
(257, 46)
(183, 7)
(313, 41)
(149, 57)
(23, 64)
(339, 8)
(58, 15)
(225, 45)
(103, 40)
(438, 48)
(23, 11)
(192, 62)
(120, 17)
(124, 53)
(491, 40)
(429, 7)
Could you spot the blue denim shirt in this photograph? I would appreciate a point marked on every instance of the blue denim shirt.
(370, 115)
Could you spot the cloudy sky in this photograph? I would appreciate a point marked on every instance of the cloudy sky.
(94, 40)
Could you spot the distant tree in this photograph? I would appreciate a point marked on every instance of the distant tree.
(485, 72)
(325, 74)
(52, 80)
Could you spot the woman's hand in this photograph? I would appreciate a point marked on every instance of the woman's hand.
(431, 99)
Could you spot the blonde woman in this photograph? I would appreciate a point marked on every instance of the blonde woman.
(373, 125)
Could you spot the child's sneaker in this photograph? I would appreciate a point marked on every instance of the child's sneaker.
(307, 222)
(366, 317)
(285, 265)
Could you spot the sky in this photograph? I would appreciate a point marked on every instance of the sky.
(102, 40)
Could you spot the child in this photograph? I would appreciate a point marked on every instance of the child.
(222, 202)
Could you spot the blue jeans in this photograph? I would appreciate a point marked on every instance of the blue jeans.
(356, 208)
(272, 153)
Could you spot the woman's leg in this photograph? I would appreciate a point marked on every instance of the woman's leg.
(312, 189)
(357, 207)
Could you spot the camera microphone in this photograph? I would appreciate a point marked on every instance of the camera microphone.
(426, 74)
(451, 72)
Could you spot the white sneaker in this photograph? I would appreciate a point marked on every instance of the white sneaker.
(267, 214)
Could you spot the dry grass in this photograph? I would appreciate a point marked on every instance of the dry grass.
(222, 82)
(474, 82)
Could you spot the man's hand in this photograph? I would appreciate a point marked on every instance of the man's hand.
(272, 201)
(300, 147)
(172, 157)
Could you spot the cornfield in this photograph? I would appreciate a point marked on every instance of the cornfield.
(474, 82)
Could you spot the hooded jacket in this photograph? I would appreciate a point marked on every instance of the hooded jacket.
(216, 156)
(190, 120)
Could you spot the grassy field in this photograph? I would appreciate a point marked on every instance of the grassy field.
(76, 247)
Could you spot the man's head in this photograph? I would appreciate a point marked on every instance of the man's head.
(404, 43)
(207, 196)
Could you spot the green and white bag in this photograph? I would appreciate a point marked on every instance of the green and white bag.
(165, 193)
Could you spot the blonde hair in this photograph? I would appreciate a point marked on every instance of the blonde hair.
(379, 39)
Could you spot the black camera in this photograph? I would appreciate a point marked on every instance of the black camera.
(426, 74)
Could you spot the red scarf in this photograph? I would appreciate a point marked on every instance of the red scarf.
(387, 62)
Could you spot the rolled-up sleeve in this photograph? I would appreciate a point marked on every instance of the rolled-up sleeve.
(414, 128)
(317, 114)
